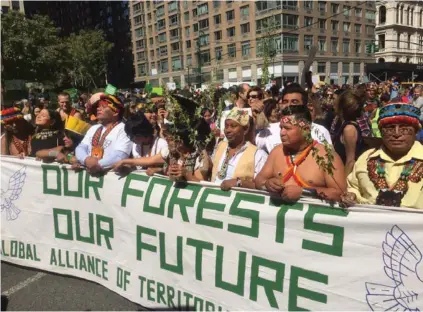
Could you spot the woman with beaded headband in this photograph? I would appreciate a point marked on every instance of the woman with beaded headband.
(391, 175)
(292, 169)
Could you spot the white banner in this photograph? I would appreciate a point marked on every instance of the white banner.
(160, 244)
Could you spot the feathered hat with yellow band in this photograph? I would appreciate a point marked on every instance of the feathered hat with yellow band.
(77, 126)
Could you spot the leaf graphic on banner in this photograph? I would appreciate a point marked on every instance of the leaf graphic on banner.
(402, 260)
(14, 189)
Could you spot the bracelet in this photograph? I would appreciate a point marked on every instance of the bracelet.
(238, 182)
(53, 153)
(309, 192)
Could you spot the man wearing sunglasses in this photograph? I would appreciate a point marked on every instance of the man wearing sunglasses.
(269, 138)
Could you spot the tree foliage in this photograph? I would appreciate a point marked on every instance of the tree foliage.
(32, 50)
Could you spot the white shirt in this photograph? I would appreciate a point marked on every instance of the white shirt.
(259, 160)
(270, 137)
(116, 140)
(144, 151)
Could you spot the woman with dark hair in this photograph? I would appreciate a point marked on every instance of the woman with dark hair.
(49, 132)
(346, 133)
(75, 130)
(271, 110)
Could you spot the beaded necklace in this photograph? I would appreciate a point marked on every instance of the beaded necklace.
(412, 171)
(224, 169)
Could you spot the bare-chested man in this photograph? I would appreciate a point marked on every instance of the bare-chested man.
(292, 171)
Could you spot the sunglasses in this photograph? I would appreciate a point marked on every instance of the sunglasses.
(253, 96)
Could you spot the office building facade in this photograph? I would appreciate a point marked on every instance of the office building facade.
(9, 5)
(170, 37)
(399, 31)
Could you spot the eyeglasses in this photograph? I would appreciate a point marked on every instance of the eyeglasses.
(402, 130)
(253, 96)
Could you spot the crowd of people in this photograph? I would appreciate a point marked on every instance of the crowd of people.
(348, 144)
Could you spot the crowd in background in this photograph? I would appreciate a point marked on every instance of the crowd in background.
(350, 144)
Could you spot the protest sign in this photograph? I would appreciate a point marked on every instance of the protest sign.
(160, 244)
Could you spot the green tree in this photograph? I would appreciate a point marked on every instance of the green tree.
(31, 49)
(268, 48)
(87, 58)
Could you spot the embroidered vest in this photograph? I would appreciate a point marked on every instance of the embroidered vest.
(245, 167)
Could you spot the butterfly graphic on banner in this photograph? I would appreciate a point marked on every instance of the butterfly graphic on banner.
(403, 265)
(14, 189)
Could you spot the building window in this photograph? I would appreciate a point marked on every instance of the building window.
(356, 68)
(322, 44)
(216, 3)
(268, 5)
(172, 6)
(346, 46)
(175, 46)
(370, 30)
(357, 28)
(203, 9)
(139, 32)
(412, 17)
(382, 15)
(290, 21)
(230, 32)
(161, 24)
(230, 15)
(218, 53)
(194, 12)
(137, 7)
(140, 56)
(187, 31)
(137, 20)
(245, 10)
(174, 33)
(381, 42)
(205, 57)
(189, 60)
(142, 69)
(409, 42)
(204, 40)
(245, 28)
(347, 11)
(217, 19)
(173, 20)
(321, 67)
(195, 27)
(334, 8)
(308, 42)
(290, 43)
(347, 27)
(186, 16)
(322, 23)
(160, 11)
(290, 5)
(162, 37)
(151, 53)
(334, 25)
(334, 45)
(245, 47)
(370, 15)
(232, 50)
(358, 12)
(188, 44)
(398, 40)
(176, 63)
(308, 21)
(322, 6)
(345, 68)
(203, 23)
(164, 66)
(357, 44)
(140, 44)
(151, 41)
(333, 68)
(218, 35)
(308, 5)
(162, 51)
